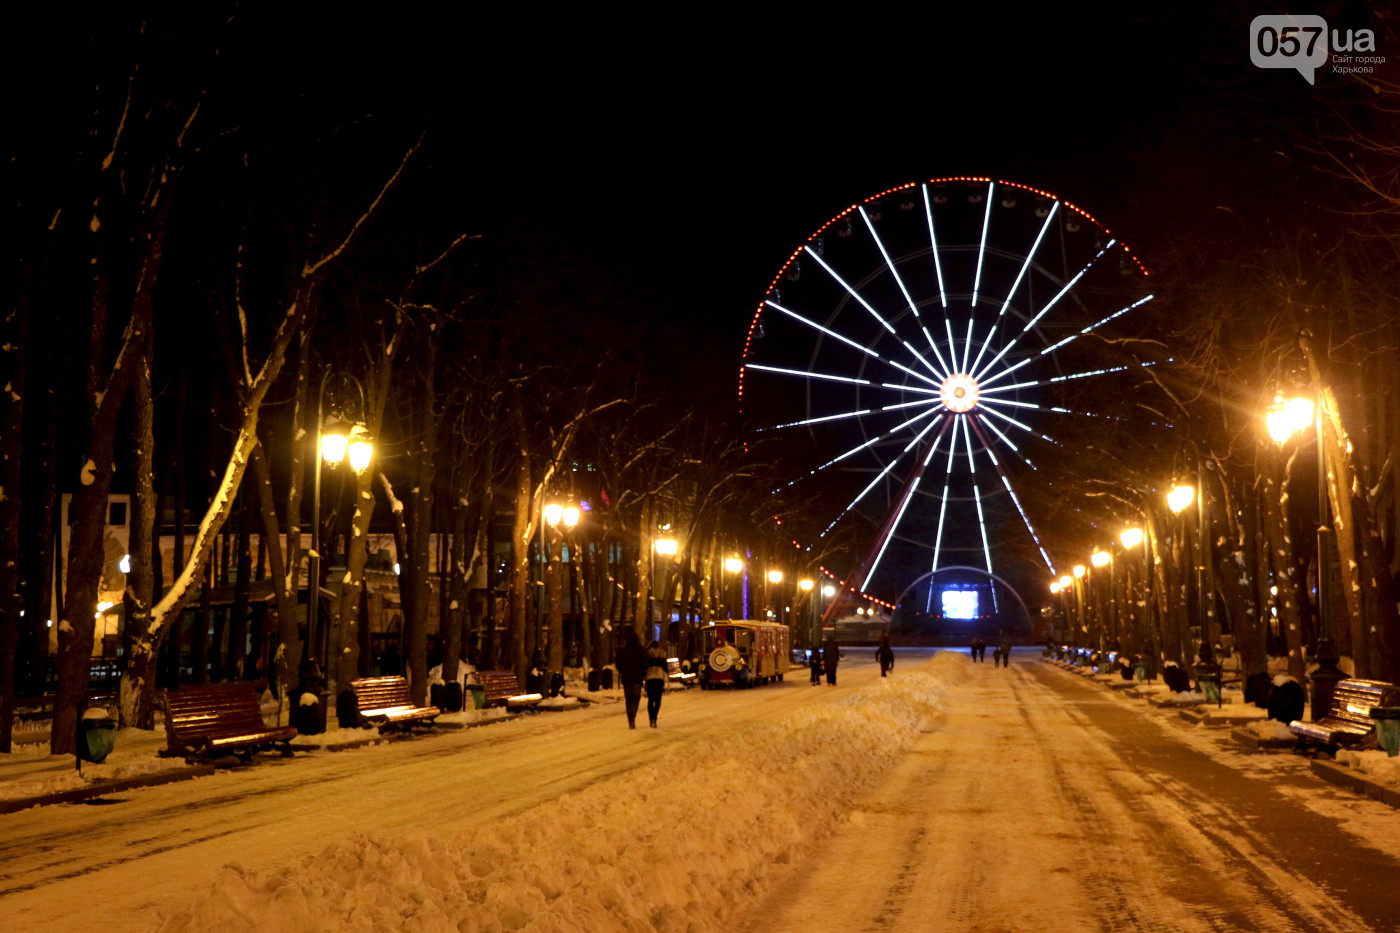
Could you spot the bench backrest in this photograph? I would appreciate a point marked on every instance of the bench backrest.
(196, 711)
(1354, 698)
(498, 685)
(381, 692)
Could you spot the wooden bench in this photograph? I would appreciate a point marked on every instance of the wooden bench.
(385, 701)
(1349, 720)
(503, 688)
(205, 720)
(675, 675)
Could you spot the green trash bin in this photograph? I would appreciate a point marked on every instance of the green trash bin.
(478, 696)
(1388, 728)
(97, 736)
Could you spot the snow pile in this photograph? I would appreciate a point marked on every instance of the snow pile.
(30, 771)
(685, 844)
(1268, 729)
(1377, 765)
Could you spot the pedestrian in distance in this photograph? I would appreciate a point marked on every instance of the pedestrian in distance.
(830, 656)
(632, 671)
(1005, 650)
(814, 664)
(656, 679)
(885, 655)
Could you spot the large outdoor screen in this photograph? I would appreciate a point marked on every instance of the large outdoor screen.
(959, 604)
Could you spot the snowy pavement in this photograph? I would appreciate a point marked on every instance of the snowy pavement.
(950, 797)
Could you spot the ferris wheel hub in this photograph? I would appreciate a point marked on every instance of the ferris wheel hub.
(959, 393)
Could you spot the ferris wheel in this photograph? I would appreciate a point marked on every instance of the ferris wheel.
(924, 346)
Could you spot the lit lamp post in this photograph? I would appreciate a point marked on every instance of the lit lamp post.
(667, 548)
(1107, 626)
(1286, 418)
(1077, 572)
(337, 441)
(805, 586)
(1130, 538)
(775, 578)
(552, 515)
(1179, 498)
(1066, 582)
(733, 566)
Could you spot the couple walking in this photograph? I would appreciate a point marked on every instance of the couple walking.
(637, 666)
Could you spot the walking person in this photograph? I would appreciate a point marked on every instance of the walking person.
(885, 655)
(830, 656)
(631, 670)
(1005, 649)
(814, 664)
(656, 679)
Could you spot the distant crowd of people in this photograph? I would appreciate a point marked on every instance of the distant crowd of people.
(1001, 655)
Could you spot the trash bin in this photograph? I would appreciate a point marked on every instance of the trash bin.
(478, 696)
(1388, 728)
(452, 698)
(595, 680)
(309, 711)
(607, 678)
(97, 735)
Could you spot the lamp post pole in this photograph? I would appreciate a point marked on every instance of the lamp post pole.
(1327, 675)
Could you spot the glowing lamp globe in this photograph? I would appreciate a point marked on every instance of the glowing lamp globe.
(775, 576)
(1099, 558)
(805, 585)
(553, 512)
(570, 516)
(959, 393)
(666, 547)
(1078, 570)
(733, 564)
(1131, 537)
(1180, 497)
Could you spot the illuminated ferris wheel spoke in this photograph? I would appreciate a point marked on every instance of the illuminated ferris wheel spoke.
(1093, 327)
(890, 466)
(982, 246)
(967, 345)
(1046, 310)
(1008, 418)
(845, 414)
(982, 523)
(1011, 292)
(904, 291)
(937, 264)
(807, 374)
(874, 440)
(947, 483)
(1012, 403)
(941, 374)
(982, 387)
(971, 461)
(1101, 372)
(1030, 257)
(861, 347)
(853, 293)
(1085, 414)
(1006, 481)
(1005, 372)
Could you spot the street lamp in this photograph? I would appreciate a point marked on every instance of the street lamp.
(732, 565)
(337, 440)
(1180, 497)
(1131, 537)
(1286, 418)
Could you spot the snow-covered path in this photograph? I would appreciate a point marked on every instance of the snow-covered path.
(951, 797)
(1043, 803)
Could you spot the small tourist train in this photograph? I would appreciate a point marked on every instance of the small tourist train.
(742, 653)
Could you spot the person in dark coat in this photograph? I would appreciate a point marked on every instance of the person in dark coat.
(814, 664)
(1005, 650)
(885, 655)
(830, 656)
(656, 679)
(632, 671)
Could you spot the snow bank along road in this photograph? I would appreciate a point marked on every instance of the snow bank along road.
(949, 797)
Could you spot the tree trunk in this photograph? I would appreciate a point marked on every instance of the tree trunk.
(13, 337)
(553, 589)
(523, 531)
(286, 656)
(137, 691)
